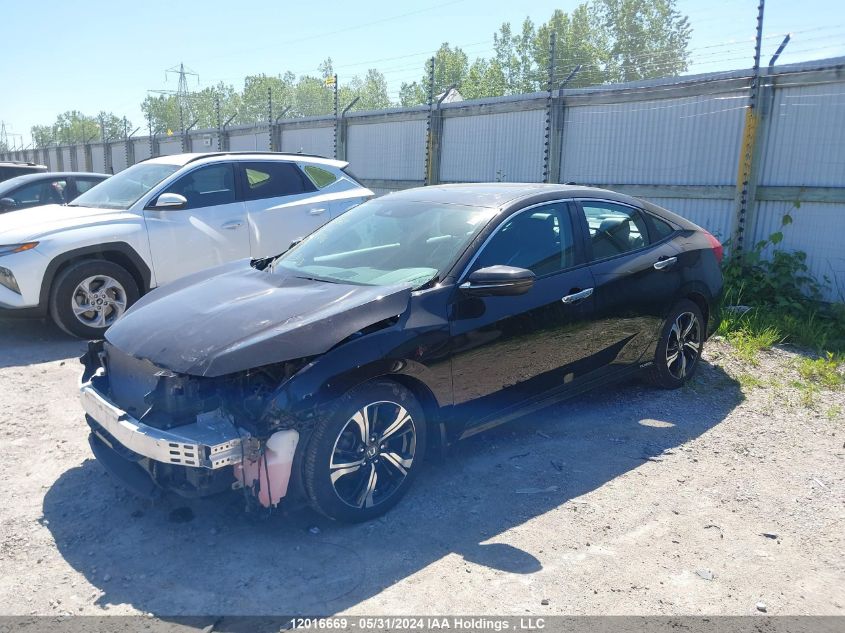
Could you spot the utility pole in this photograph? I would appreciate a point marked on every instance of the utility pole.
(745, 174)
(182, 94)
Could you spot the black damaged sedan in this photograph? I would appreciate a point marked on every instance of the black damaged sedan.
(411, 321)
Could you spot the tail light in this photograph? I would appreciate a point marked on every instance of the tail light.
(716, 245)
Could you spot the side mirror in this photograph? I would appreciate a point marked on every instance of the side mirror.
(170, 201)
(7, 204)
(498, 281)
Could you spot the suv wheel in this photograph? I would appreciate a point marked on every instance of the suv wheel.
(680, 346)
(87, 297)
(361, 460)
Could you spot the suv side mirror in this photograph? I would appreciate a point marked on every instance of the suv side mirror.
(170, 201)
(498, 281)
(7, 203)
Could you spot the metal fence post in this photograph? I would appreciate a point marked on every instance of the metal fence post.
(343, 131)
(550, 86)
(749, 152)
(277, 130)
(429, 120)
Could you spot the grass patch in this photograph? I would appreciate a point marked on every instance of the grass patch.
(785, 300)
(823, 371)
(834, 413)
(748, 382)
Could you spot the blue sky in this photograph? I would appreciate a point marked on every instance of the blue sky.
(104, 55)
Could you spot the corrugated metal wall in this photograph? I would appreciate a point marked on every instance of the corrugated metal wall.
(98, 159)
(685, 141)
(393, 150)
(316, 140)
(142, 149)
(170, 146)
(246, 141)
(118, 157)
(506, 146)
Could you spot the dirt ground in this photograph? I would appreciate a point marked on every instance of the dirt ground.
(706, 500)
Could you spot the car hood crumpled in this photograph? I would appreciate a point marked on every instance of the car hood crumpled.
(234, 317)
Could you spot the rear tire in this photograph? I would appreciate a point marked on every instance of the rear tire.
(362, 459)
(104, 287)
(679, 347)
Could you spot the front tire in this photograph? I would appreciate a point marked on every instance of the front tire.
(88, 296)
(680, 346)
(361, 460)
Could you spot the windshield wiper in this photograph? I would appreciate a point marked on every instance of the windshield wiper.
(328, 281)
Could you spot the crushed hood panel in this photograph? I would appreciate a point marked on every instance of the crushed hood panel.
(233, 317)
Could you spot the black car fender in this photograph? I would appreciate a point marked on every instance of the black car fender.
(312, 392)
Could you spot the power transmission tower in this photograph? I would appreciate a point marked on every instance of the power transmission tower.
(182, 93)
(4, 136)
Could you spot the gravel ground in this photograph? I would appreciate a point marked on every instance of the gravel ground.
(706, 500)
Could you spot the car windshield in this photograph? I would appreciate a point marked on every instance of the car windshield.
(124, 189)
(385, 242)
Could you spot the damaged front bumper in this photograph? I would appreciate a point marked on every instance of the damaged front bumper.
(210, 443)
(201, 458)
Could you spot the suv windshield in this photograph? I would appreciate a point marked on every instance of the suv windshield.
(123, 190)
(383, 242)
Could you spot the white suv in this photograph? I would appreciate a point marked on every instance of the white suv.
(161, 219)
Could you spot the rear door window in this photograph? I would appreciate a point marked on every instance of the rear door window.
(273, 180)
(614, 229)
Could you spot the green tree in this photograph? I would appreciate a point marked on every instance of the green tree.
(645, 38)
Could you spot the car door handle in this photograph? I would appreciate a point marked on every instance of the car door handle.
(662, 264)
(316, 211)
(577, 296)
(234, 224)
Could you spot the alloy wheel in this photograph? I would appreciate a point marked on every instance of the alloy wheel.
(372, 454)
(98, 301)
(684, 345)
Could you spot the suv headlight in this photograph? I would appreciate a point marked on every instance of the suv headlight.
(8, 279)
(8, 249)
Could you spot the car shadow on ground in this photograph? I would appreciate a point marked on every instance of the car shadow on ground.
(28, 341)
(206, 556)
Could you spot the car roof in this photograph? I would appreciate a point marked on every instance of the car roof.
(50, 175)
(499, 194)
(184, 159)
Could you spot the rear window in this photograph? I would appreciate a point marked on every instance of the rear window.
(659, 228)
(319, 176)
(273, 180)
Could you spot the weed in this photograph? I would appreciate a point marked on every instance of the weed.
(834, 413)
(748, 382)
(823, 371)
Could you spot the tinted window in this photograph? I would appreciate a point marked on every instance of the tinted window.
(614, 228)
(539, 239)
(271, 180)
(41, 192)
(319, 176)
(660, 228)
(84, 184)
(207, 186)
